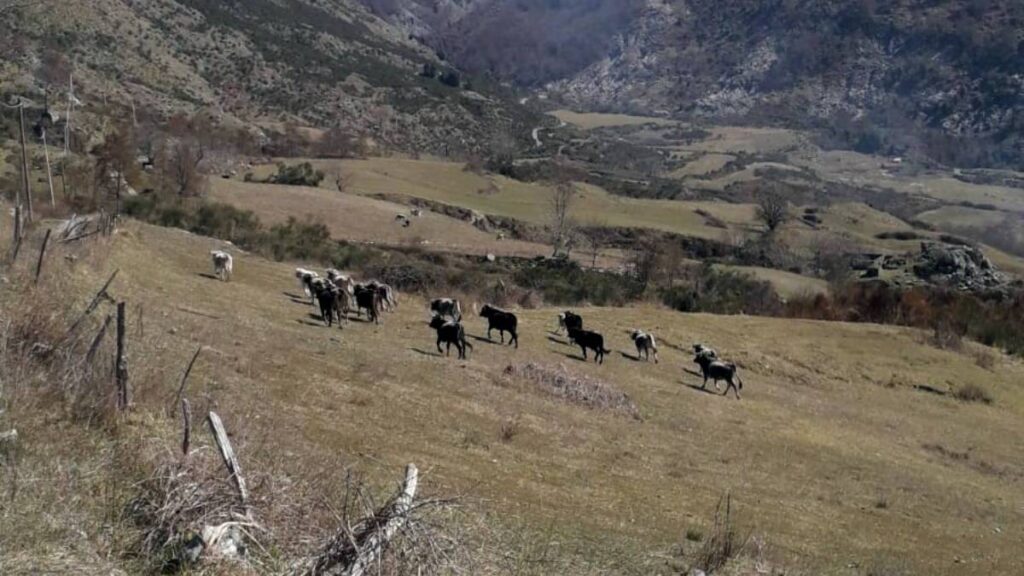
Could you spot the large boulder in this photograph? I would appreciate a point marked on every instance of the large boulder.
(962, 267)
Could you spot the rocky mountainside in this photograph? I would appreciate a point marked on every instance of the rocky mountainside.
(943, 79)
(322, 63)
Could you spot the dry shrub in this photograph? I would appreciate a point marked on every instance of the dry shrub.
(972, 392)
(946, 337)
(429, 541)
(985, 360)
(711, 220)
(725, 541)
(182, 504)
(510, 428)
(574, 388)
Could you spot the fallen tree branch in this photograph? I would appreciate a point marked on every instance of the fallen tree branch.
(354, 552)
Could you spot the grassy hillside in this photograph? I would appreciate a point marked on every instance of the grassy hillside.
(832, 455)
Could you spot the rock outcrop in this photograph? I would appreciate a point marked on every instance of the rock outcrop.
(963, 267)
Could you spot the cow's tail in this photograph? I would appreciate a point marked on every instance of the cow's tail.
(458, 309)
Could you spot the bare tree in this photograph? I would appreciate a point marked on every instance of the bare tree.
(772, 209)
(562, 225)
(115, 163)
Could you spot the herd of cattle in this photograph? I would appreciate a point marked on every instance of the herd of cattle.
(336, 295)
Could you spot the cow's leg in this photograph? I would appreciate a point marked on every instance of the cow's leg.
(502, 334)
(439, 350)
(584, 348)
(655, 356)
(599, 356)
(514, 339)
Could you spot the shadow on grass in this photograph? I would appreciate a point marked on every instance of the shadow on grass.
(558, 341)
(701, 389)
(629, 356)
(427, 353)
(208, 276)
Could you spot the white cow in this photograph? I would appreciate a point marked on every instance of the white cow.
(223, 264)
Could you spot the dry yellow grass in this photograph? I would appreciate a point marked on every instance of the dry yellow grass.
(448, 182)
(704, 164)
(367, 220)
(787, 284)
(592, 120)
(829, 424)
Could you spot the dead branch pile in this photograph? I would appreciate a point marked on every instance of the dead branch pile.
(399, 536)
(575, 388)
(189, 510)
(725, 541)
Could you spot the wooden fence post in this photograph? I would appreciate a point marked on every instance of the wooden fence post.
(124, 394)
(230, 460)
(42, 254)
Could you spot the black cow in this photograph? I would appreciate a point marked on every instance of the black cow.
(569, 321)
(450, 333)
(587, 339)
(331, 305)
(502, 321)
(447, 307)
(368, 299)
(717, 370)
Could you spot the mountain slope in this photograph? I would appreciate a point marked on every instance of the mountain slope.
(943, 78)
(323, 63)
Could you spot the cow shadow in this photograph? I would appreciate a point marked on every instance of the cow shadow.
(208, 276)
(487, 340)
(427, 353)
(558, 340)
(576, 357)
(693, 372)
(311, 323)
(629, 356)
(698, 388)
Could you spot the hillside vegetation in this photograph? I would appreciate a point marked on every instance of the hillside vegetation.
(260, 62)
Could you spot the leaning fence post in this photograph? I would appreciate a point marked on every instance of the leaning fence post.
(124, 395)
(94, 303)
(230, 460)
(17, 230)
(184, 377)
(186, 417)
(42, 254)
(98, 340)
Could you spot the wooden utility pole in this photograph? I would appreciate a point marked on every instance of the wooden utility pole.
(49, 172)
(67, 117)
(25, 181)
(124, 394)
